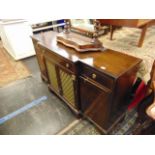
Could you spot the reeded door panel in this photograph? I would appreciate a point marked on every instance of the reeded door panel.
(67, 84)
(52, 75)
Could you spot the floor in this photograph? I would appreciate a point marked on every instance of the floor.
(49, 117)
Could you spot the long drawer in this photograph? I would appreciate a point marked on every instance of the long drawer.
(97, 76)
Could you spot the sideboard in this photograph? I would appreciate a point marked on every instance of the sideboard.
(93, 84)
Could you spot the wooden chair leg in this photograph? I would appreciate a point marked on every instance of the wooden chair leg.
(111, 31)
(142, 36)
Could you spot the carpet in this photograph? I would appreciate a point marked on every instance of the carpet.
(125, 127)
(11, 70)
(125, 40)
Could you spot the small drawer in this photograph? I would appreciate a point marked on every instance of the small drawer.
(60, 61)
(66, 64)
(97, 76)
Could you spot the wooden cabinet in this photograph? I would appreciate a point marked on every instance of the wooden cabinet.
(94, 84)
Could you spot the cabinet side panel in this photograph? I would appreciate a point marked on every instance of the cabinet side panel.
(40, 58)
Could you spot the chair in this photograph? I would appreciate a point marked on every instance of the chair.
(142, 24)
(150, 111)
(145, 123)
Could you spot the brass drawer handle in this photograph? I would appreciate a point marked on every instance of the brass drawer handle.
(94, 76)
(67, 65)
(73, 77)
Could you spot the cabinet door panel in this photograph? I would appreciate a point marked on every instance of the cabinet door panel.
(95, 102)
(67, 84)
(52, 75)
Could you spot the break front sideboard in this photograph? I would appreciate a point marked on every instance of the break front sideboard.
(93, 84)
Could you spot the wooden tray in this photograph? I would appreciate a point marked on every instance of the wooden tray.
(78, 42)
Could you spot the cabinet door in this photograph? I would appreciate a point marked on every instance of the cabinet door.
(68, 86)
(95, 101)
(52, 75)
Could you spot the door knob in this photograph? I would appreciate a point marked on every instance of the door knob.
(67, 65)
(94, 76)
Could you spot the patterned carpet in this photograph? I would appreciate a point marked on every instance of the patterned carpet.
(125, 40)
(10, 70)
(84, 127)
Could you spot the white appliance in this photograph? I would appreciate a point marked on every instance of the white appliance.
(15, 35)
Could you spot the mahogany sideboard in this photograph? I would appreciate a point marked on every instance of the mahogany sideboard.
(94, 84)
(136, 23)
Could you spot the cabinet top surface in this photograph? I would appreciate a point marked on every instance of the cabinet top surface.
(112, 62)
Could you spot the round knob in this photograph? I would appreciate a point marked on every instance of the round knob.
(73, 77)
(67, 65)
(94, 76)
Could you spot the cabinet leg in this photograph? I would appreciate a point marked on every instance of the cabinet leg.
(42, 79)
(79, 115)
(49, 88)
(142, 36)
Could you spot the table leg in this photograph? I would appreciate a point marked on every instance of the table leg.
(142, 36)
(111, 31)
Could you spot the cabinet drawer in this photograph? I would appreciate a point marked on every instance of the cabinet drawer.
(66, 64)
(60, 61)
(96, 76)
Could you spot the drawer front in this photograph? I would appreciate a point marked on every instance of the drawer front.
(64, 63)
(98, 77)
(67, 65)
